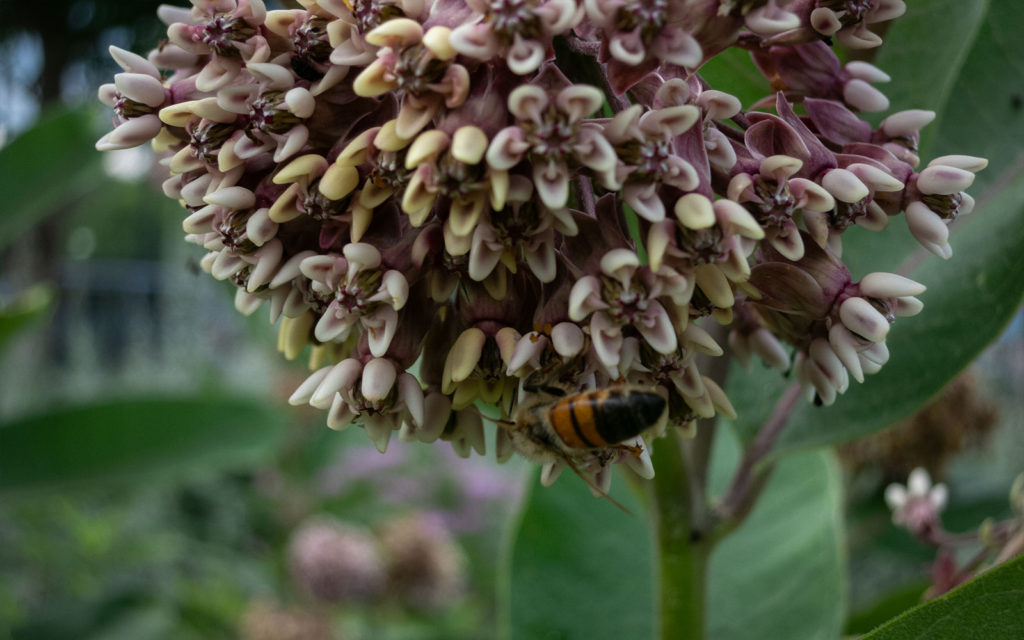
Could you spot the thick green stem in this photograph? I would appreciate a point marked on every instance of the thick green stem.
(682, 549)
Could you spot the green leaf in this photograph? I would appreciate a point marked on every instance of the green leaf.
(579, 568)
(28, 308)
(889, 606)
(924, 51)
(134, 438)
(783, 573)
(986, 107)
(987, 607)
(970, 300)
(46, 168)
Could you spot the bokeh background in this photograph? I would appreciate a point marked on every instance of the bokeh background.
(153, 483)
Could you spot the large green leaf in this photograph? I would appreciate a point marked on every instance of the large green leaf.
(924, 51)
(579, 568)
(46, 168)
(985, 112)
(989, 606)
(131, 438)
(783, 573)
(969, 301)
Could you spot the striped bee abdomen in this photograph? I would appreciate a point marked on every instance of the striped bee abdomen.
(605, 416)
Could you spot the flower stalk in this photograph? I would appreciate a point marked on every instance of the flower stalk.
(683, 551)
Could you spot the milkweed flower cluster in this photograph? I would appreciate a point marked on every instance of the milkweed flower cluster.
(498, 191)
(414, 558)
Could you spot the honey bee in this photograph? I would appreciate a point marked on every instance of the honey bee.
(585, 430)
(594, 419)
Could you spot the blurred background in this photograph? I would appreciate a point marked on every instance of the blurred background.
(231, 514)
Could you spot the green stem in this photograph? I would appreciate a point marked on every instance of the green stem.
(682, 550)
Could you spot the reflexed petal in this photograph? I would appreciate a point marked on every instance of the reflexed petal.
(131, 133)
(858, 93)
(463, 356)
(133, 62)
(305, 390)
(845, 344)
(379, 377)
(944, 180)
(527, 351)
(889, 285)
(908, 306)
(339, 377)
(906, 123)
(845, 185)
(714, 285)
(926, 225)
(140, 87)
(973, 164)
(861, 317)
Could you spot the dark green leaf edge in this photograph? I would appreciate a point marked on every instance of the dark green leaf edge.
(989, 607)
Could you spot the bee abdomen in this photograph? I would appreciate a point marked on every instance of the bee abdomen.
(604, 417)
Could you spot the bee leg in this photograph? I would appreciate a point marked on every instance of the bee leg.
(634, 450)
(483, 416)
(593, 485)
